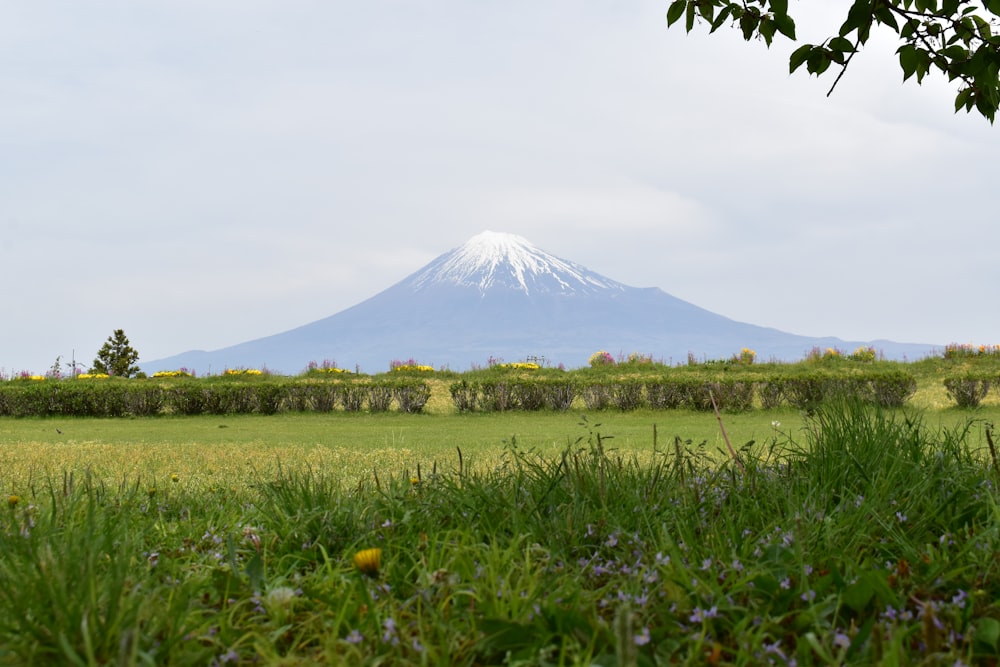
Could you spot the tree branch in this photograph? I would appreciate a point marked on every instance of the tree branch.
(843, 69)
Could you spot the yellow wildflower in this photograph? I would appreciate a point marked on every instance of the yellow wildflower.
(12, 501)
(368, 561)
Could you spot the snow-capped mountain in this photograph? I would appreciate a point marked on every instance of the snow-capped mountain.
(493, 260)
(499, 296)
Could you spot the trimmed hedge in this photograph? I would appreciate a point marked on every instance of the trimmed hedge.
(141, 398)
(735, 392)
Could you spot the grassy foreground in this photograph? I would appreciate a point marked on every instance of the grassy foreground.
(853, 537)
(207, 451)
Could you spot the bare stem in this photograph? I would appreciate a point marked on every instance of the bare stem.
(722, 427)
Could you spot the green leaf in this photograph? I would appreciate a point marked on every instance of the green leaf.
(766, 30)
(886, 17)
(985, 32)
(785, 24)
(859, 15)
(964, 99)
(819, 61)
(707, 11)
(986, 105)
(858, 595)
(689, 17)
(868, 586)
(956, 52)
(675, 11)
(798, 57)
(255, 572)
(721, 18)
(908, 60)
(993, 6)
(748, 24)
(988, 632)
(779, 7)
(841, 44)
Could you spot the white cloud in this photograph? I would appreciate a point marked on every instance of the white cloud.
(206, 174)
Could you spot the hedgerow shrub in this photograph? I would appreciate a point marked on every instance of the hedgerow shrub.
(733, 395)
(379, 396)
(144, 400)
(411, 397)
(627, 395)
(559, 394)
(120, 398)
(320, 396)
(464, 395)
(806, 392)
(352, 396)
(529, 395)
(771, 393)
(968, 390)
(696, 394)
(496, 396)
(267, 398)
(664, 394)
(891, 389)
(596, 396)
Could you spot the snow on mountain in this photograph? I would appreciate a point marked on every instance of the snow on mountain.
(493, 260)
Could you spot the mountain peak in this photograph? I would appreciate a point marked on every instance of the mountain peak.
(493, 260)
(498, 295)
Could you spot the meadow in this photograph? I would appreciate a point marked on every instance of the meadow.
(852, 535)
(350, 446)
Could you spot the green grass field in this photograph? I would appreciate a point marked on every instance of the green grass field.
(356, 444)
(851, 537)
(352, 443)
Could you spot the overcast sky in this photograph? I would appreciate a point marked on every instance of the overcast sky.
(201, 174)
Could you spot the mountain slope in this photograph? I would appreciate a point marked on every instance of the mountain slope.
(498, 295)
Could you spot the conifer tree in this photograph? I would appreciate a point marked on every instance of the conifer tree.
(116, 357)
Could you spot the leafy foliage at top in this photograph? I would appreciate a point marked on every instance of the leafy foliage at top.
(954, 37)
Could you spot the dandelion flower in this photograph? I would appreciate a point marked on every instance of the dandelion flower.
(368, 561)
(12, 501)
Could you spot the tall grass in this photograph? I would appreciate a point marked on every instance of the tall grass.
(867, 538)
